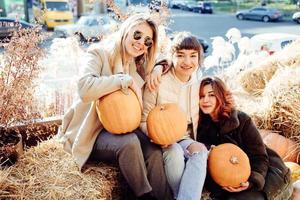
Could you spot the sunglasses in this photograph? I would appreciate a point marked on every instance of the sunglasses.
(137, 35)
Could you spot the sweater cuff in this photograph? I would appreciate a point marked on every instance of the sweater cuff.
(257, 180)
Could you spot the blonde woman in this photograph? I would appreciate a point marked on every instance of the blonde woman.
(125, 59)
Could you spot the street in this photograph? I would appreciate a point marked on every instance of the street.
(207, 26)
(211, 25)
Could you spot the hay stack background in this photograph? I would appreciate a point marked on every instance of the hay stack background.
(255, 79)
(278, 108)
(48, 172)
(283, 94)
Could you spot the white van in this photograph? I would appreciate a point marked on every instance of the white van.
(272, 42)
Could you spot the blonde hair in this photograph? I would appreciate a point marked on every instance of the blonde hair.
(119, 41)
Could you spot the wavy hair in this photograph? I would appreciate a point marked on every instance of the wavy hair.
(118, 48)
(225, 102)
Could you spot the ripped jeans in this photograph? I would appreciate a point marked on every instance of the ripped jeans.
(185, 172)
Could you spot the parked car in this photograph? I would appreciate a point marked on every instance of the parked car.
(272, 42)
(177, 4)
(9, 25)
(52, 13)
(296, 17)
(260, 13)
(90, 27)
(203, 7)
(187, 5)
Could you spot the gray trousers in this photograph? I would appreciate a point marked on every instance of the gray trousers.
(139, 160)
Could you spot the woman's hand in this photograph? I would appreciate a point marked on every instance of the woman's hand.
(126, 80)
(154, 78)
(244, 186)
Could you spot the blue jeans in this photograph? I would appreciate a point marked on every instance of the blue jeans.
(185, 172)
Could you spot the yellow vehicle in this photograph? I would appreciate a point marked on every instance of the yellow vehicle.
(52, 12)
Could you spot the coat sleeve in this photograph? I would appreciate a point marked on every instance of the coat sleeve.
(93, 84)
(256, 151)
(150, 101)
(163, 62)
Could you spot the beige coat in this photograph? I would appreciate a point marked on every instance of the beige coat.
(168, 92)
(81, 125)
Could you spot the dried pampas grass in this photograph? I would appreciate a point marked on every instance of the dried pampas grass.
(48, 172)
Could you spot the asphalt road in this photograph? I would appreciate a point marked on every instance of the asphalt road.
(207, 25)
(210, 25)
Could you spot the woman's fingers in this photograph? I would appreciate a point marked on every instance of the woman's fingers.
(243, 186)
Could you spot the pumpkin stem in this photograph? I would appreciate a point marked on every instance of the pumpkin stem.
(162, 108)
(234, 160)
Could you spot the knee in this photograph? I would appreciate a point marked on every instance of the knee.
(197, 147)
(155, 155)
(130, 143)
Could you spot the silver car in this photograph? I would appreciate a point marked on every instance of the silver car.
(296, 17)
(260, 13)
(90, 27)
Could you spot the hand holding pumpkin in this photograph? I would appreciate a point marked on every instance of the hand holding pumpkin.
(164, 146)
(166, 124)
(119, 112)
(224, 161)
(125, 79)
(244, 186)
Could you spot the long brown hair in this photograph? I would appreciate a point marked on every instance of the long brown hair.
(225, 102)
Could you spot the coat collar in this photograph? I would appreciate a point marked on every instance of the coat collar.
(230, 124)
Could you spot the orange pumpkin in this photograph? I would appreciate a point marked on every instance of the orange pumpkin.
(166, 124)
(119, 112)
(228, 165)
(286, 148)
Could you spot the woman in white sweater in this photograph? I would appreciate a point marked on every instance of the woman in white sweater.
(185, 161)
(124, 59)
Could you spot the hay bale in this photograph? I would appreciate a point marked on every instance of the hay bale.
(48, 172)
(283, 95)
(290, 55)
(255, 79)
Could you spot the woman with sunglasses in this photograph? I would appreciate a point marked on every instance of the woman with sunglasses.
(185, 160)
(124, 59)
(221, 123)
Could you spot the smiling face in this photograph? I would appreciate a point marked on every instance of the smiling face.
(185, 61)
(208, 100)
(138, 40)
